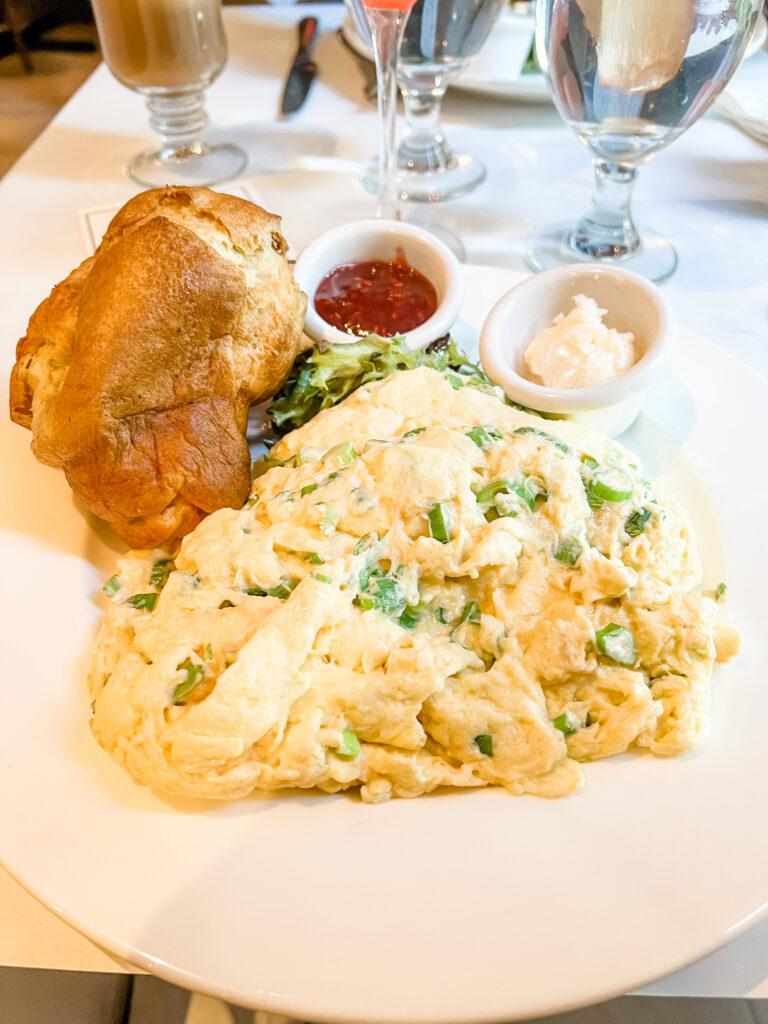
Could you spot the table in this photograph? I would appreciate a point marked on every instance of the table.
(709, 193)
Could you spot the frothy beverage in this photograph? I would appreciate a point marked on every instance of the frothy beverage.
(161, 44)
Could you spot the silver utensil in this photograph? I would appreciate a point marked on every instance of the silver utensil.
(303, 70)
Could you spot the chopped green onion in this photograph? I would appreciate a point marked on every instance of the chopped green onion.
(346, 454)
(635, 524)
(389, 595)
(471, 613)
(307, 489)
(255, 592)
(112, 586)
(560, 445)
(440, 616)
(208, 652)
(161, 570)
(611, 485)
(308, 453)
(365, 542)
(484, 437)
(720, 592)
(329, 520)
(409, 618)
(226, 604)
(349, 747)
(568, 551)
(484, 744)
(321, 577)
(438, 523)
(593, 501)
(365, 601)
(283, 589)
(144, 602)
(416, 430)
(253, 500)
(368, 573)
(527, 492)
(285, 496)
(589, 461)
(617, 643)
(489, 492)
(194, 674)
(312, 556)
(566, 723)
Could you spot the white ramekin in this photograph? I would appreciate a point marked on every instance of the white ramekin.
(379, 240)
(632, 304)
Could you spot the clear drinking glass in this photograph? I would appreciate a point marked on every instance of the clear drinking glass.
(439, 38)
(629, 76)
(170, 51)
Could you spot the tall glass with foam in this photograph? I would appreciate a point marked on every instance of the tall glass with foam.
(170, 51)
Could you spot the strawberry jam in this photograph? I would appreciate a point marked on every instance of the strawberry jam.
(383, 297)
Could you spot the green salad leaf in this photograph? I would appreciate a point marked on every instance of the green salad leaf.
(326, 374)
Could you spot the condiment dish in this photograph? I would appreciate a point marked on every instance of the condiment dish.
(632, 304)
(381, 240)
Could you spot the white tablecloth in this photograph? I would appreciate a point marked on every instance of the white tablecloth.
(708, 193)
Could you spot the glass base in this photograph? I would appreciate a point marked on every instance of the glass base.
(549, 248)
(191, 165)
(462, 175)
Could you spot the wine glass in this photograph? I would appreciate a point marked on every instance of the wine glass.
(629, 76)
(439, 38)
(386, 20)
(170, 51)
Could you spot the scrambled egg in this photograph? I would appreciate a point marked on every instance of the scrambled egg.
(428, 588)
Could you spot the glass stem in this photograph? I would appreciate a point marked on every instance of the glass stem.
(387, 27)
(607, 230)
(179, 119)
(424, 148)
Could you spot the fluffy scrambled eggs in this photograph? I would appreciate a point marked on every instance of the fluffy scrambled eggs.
(429, 588)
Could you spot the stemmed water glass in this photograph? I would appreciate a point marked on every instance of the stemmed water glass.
(170, 51)
(440, 36)
(629, 76)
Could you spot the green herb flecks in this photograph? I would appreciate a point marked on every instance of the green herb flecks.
(484, 437)
(568, 551)
(567, 723)
(636, 523)
(617, 643)
(161, 570)
(328, 520)
(193, 675)
(349, 748)
(112, 587)
(484, 744)
(439, 523)
(144, 602)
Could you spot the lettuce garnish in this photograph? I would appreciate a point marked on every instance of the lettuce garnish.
(326, 374)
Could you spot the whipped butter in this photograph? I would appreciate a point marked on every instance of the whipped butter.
(578, 350)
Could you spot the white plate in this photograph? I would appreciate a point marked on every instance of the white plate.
(462, 907)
